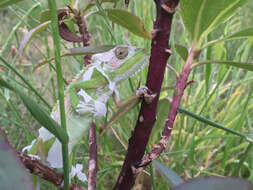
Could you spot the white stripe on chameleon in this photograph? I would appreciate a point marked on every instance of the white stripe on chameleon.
(93, 103)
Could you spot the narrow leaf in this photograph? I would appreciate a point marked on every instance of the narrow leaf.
(87, 50)
(246, 33)
(217, 183)
(122, 109)
(200, 17)
(24, 80)
(182, 51)
(13, 174)
(28, 37)
(127, 20)
(241, 34)
(214, 124)
(171, 177)
(45, 14)
(7, 42)
(91, 4)
(39, 113)
(208, 67)
(242, 65)
(163, 109)
(5, 3)
(162, 113)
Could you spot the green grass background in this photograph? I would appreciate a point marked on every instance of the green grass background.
(195, 149)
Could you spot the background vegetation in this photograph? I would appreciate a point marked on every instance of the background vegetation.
(195, 148)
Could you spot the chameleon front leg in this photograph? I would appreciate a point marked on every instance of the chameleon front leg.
(85, 85)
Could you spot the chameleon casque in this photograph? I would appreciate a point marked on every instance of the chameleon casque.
(86, 98)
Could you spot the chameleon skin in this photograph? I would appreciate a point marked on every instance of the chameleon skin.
(86, 98)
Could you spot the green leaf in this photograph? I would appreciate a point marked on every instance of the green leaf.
(45, 14)
(39, 113)
(162, 113)
(87, 50)
(208, 68)
(5, 3)
(127, 20)
(91, 4)
(13, 174)
(28, 37)
(163, 109)
(214, 124)
(7, 42)
(171, 177)
(246, 33)
(242, 65)
(14, 70)
(200, 17)
(217, 183)
(182, 51)
(241, 34)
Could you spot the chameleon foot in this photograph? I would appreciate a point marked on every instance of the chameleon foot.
(144, 92)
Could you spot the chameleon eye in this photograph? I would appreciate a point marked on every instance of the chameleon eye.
(121, 52)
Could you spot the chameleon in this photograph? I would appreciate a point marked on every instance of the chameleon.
(85, 99)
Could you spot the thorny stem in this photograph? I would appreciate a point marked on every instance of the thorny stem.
(92, 178)
(67, 35)
(37, 168)
(178, 93)
(85, 35)
(158, 60)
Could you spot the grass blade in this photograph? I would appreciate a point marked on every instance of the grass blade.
(60, 82)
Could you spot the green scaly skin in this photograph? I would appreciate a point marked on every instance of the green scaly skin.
(86, 98)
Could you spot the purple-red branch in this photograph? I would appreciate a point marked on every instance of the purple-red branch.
(83, 30)
(147, 116)
(67, 34)
(181, 84)
(37, 168)
(92, 177)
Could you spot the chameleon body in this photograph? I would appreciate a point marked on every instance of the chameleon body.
(86, 98)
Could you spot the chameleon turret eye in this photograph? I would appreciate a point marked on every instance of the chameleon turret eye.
(121, 52)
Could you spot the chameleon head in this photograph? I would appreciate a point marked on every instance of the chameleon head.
(122, 62)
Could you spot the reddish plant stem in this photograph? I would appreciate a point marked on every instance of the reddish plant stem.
(147, 116)
(37, 168)
(181, 84)
(85, 36)
(40, 170)
(127, 2)
(67, 35)
(92, 178)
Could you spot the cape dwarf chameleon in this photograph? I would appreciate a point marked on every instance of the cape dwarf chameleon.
(86, 98)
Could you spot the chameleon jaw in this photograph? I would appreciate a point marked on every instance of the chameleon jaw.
(133, 70)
